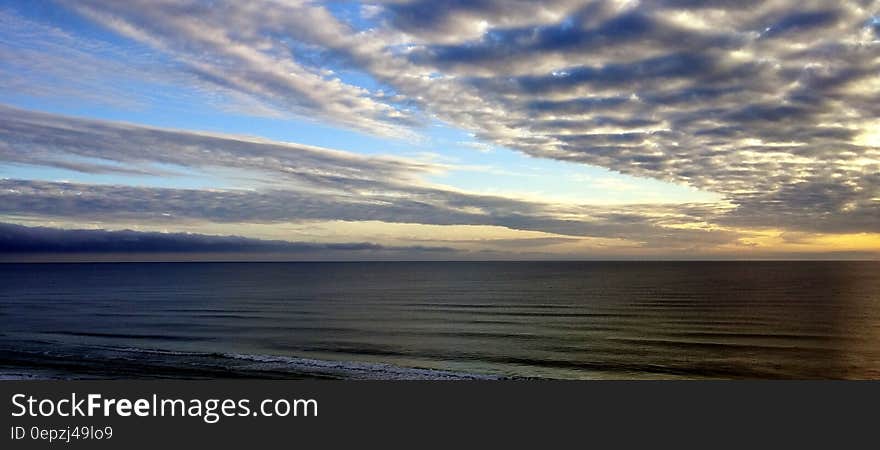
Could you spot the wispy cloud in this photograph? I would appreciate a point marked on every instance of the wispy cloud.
(251, 49)
(28, 137)
(301, 183)
(304, 183)
(650, 225)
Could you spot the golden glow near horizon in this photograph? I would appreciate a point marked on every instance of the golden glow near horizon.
(491, 241)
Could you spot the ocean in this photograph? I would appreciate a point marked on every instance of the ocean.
(441, 320)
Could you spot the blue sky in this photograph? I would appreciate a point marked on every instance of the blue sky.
(596, 128)
(489, 168)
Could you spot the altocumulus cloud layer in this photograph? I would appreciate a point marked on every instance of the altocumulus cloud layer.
(775, 105)
(766, 102)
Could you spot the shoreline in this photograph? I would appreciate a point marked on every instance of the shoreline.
(137, 363)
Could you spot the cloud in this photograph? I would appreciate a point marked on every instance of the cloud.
(456, 20)
(766, 103)
(801, 21)
(760, 104)
(28, 137)
(549, 47)
(763, 105)
(22, 240)
(819, 204)
(243, 48)
(51, 63)
(302, 183)
(648, 225)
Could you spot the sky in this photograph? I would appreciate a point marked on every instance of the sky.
(439, 129)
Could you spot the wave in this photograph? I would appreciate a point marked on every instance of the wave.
(136, 362)
(361, 370)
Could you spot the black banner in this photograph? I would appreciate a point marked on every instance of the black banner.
(234, 414)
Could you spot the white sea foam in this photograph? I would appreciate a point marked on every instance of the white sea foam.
(326, 367)
(360, 370)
